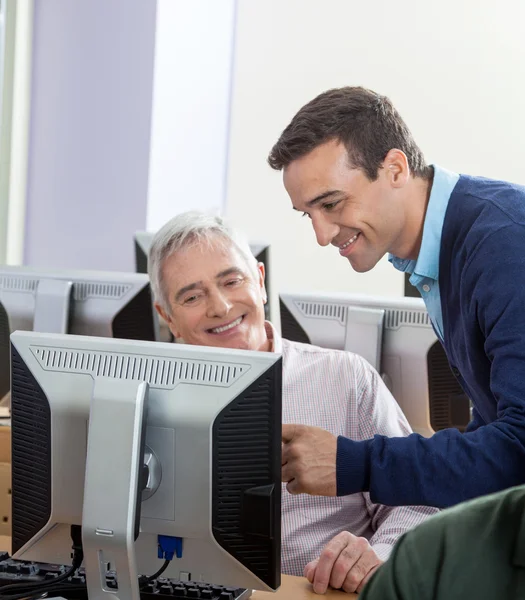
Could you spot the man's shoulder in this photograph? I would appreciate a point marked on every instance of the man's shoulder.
(496, 201)
(313, 350)
(309, 354)
(481, 214)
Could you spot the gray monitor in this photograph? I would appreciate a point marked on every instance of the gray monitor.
(107, 304)
(261, 251)
(211, 442)
(396, 336)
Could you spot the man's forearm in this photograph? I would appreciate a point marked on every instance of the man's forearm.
(440, 471)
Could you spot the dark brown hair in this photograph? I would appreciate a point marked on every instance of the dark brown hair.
(366, 123)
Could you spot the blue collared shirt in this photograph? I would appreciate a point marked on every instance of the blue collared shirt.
(425, 271)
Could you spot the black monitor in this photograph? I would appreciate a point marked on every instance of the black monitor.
(202, 425)
(396, 336)
(107, 304)
(5, 372)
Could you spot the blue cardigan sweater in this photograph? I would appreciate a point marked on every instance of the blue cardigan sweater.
(482, 285)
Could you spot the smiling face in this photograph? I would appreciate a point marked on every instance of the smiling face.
(215, 299)
(364, 219)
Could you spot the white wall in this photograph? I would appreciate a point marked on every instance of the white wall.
(89, 141)
(455, 70)
(191, 107)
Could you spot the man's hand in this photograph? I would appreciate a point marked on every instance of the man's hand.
(346, 562)
(308, 460)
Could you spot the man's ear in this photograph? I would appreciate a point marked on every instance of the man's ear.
(262, 273)
(396, 167)
(164, 315)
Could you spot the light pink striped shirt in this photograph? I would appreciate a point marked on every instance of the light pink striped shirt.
(342, 393)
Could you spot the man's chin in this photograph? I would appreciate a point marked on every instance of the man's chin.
(232, 344)
(362, 266)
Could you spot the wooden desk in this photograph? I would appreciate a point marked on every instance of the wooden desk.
(299, 588)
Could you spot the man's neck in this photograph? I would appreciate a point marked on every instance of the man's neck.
(418, 196)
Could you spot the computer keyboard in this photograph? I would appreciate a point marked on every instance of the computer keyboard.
(74, 587)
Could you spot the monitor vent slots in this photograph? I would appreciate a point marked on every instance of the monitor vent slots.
(323, 310)
(83, 291)
(395, 318)
(158, 372)
(18, 284)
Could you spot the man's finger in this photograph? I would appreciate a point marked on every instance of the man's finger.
(359, 571)
(293, 487)
(328, 557)
(348, 559)
(286, 473)
(309, 570)
(366, 578)
(288, 432)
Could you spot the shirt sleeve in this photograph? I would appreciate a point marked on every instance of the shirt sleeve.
(380, 414)
(451, 467)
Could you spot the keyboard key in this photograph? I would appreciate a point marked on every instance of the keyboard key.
(165, 589)
(194, 593)
(180, 590)
(49, 576)
(27, 569)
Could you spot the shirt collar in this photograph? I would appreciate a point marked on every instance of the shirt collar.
(276, 342)
(427, 264)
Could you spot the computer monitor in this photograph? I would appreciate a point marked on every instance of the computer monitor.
(5, 371)
(396, 336)
(107, 304)
(261, 251)
(212, 445)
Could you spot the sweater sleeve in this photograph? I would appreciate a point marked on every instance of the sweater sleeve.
(451, 467)
(400, 578)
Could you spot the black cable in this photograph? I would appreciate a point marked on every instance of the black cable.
(29, 586)
(32, 585)
(59, 589)
(155, 575)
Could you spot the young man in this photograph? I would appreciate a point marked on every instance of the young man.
(210, 290)
(351, 165)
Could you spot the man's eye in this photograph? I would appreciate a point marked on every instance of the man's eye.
(330, 205)
(190, 299)
(233, 282)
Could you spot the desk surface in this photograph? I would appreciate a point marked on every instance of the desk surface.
(299, 588)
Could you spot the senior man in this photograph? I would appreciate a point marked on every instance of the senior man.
(210, 290)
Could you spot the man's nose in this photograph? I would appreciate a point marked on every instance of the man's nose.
(218, 304)
(325, 231)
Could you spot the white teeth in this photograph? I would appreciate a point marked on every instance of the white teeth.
(346, 244)
(226, 327)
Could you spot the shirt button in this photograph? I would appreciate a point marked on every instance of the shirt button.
(426, 288)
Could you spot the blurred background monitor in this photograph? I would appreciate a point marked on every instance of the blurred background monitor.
(212, 447)
(106, 304)
(261, 251)
(396, 336)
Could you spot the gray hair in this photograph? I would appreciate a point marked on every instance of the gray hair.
(187, 229)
